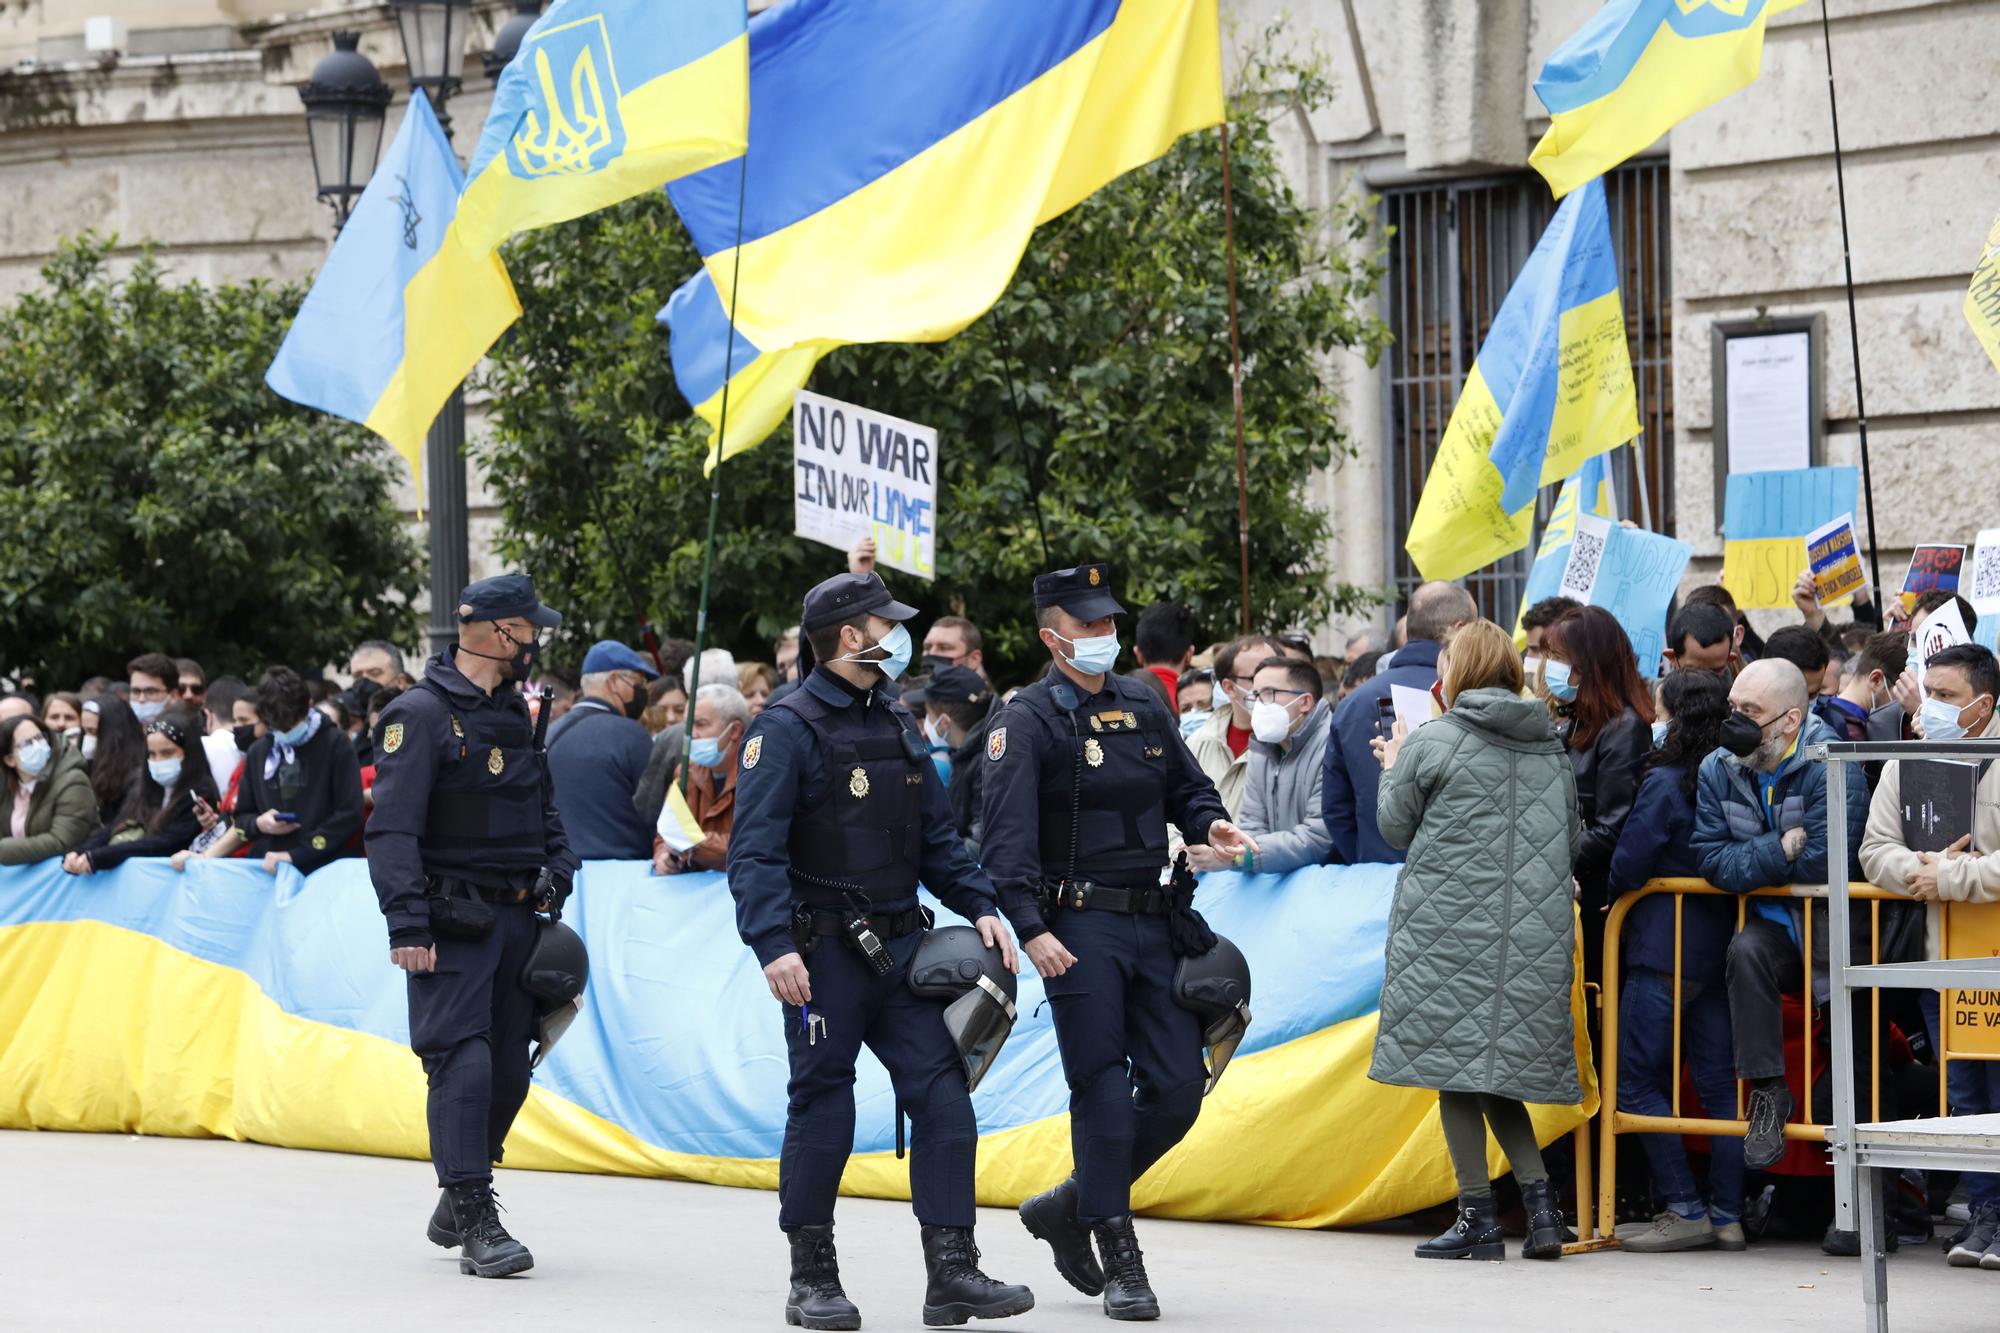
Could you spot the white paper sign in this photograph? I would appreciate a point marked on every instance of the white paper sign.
(1586, 556)
(1413, 706)
(1981, 586)
(1943, 628)
(1770, 401)
(859, 473)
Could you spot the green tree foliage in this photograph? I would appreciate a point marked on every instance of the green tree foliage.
(1116, 333)
(156, 495)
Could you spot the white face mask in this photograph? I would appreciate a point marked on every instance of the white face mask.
(935, 729)
(1270, 723)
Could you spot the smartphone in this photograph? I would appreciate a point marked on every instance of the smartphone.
(1385, 717)
(285, 816)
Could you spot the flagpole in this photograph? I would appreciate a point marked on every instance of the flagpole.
(1853, 329)
(1236, 376)
(1639, 475)
(715, 477)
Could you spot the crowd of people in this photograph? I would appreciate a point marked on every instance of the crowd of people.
(1692, 766)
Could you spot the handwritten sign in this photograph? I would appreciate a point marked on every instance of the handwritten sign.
(859, 473)
(1835, 561)
(1943, 628)
(1765, 519)
(1636, 582)
(1931, 566)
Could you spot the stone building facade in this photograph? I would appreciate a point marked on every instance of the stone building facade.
(190, 136)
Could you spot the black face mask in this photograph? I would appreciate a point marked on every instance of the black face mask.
(637, 703)
(246, 736)
(1741, 735)
(933, 663)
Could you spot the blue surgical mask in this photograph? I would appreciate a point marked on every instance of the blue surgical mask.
(293, 736)
(147, 712)
(33, 757)
(166, 772)
(1660, 733)
(1093, 656)
(706, 751)
(1941, 720)
(897, 644)
(1556, 676)
(1195, 721)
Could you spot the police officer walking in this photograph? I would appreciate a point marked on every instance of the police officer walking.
(839, 813)
(463, 846)
(1084, 771)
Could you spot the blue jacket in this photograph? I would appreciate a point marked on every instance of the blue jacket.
(1740, 844)
(1351, 775)
(597, 758)
(1656, 843)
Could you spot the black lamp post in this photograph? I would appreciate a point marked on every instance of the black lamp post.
(507, 41)
(345, 102)
(434, 47)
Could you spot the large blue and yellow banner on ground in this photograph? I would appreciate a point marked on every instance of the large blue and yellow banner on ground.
(230, 1003)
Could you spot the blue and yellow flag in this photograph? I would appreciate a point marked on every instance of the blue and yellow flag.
(1588, 492)
(356, 349)
(1637, 69)
(900, 155)
(607, 99)
(1551, 387)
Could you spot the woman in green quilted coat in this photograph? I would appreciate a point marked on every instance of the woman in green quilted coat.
(1476, 997)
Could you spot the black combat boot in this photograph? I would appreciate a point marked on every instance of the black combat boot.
(1051, 1217)
(489, 1251)
(1127, 1293)
(443, 1229)
(816, 1299)
(1475, 1235)
(1545, 1220)
(957, 1290)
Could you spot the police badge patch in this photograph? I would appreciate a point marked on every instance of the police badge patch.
(857, 783)
(1093, 753)
(753, 750)
(496, 762)
(392, 738)
(996, 744)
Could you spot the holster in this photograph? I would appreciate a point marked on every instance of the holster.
(457, 911)
(803, 936)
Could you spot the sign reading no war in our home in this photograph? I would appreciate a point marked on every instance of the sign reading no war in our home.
(858, 473)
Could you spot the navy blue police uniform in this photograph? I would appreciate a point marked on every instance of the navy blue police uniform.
(839, 815)
(464, 823)
(1080, 788)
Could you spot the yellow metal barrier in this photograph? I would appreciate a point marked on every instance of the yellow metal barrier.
(1613, 1122)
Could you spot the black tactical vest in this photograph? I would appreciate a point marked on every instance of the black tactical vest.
(486, 802)
(1113, 778)
(867, 830)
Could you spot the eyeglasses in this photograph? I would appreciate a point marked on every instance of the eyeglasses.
(1241, 680)
(1272, 695)
(192, 689)
(146, 694)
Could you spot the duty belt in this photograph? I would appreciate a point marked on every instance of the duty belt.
(1083, 893)
(488, 893)
(889, 925)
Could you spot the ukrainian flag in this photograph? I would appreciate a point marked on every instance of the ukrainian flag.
(606, 99)
(358, 348)
(1588, 492)
(1637, 69)
(1550, 388)
(900, 155)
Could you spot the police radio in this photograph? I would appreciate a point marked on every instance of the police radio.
(869, 945)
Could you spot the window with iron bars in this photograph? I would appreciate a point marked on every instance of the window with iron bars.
(1454, 250)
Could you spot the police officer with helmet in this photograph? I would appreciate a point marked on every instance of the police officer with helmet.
(464, 847)
(1084, 771)
(839, 814)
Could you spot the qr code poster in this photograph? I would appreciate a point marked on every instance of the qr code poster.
(1984, 593)
(1586, 556)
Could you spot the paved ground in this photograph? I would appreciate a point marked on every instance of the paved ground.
(111, 1232)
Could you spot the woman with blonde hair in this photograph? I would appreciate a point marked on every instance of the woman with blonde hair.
(1476, 995)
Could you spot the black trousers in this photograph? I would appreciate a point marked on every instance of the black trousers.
(1133, 1057)
(907, 1034)
(1763, 966)
(471, 1024)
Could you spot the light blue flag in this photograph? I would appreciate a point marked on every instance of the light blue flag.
(348, 352)
(1588, 492)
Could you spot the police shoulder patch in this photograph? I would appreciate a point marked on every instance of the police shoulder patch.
(392, 738)
(996, 744)
(753, 750)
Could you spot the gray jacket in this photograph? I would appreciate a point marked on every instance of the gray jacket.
(1281, 799)
(1476, 996)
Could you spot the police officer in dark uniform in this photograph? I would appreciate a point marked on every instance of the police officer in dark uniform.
(839, 814)
(1084, 771)
(463, 846)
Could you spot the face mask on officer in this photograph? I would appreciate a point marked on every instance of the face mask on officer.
(522, 663)
(896, 643)
(1093, 656)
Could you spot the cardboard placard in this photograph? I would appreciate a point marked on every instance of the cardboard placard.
(1835, 560)
(860, 473)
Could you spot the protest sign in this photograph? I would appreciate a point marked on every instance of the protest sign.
(1586, 554)
(1765, 519)
(1835, 561)
(1982, 298)
(1935, 565)
(1636, 582)
(859, 473)
(1943, 628)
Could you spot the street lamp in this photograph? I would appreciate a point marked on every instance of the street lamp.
(507, 41)
(434, 48)
(345, 101)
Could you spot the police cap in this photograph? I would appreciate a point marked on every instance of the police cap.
(611, 655)
(504, 596)
(845, 596)
(1084, 592)
(950, 685)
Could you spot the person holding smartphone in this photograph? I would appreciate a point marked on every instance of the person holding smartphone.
(298, 801)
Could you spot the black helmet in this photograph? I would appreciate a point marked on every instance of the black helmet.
(1215, 986)
(955, 964)
(555, 974)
